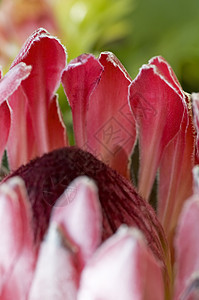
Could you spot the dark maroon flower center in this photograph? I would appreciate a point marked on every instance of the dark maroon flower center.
(47, 177)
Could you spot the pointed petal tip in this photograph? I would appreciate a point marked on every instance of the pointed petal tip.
(124, 253)
(79, 214)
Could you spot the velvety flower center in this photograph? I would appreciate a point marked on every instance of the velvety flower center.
(47, 177)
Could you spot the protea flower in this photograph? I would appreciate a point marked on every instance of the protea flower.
(73, 225)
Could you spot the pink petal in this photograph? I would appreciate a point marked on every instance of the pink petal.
(55, 276)
(48, 58)
(17, 255)
(56, 128)
(5, 122)
(158, 107)
(78, 212)
(8, 85)
(187, 249)
(110, 124)
(21, 146)
(79, 80)
(12, 80)
(175, 176)
(122, 268)
(108, 127)
(166, 70)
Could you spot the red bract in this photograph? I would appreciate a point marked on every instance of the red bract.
(35, 111)
(166, 138)
(97, 90)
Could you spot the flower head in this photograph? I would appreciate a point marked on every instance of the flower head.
(63, 208)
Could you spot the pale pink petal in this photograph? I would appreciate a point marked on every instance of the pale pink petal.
(12, 80)
(47, 57)
(187, 249)
(17, 257)
(103, 123)
(78, 212)
(56, 128)
(122, 268)
(5, 122)
(158, 107)
(55, 276)
(79, 80)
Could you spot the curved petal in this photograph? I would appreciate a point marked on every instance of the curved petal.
(21, 146)
(111, 127)
(187, 249)
(12, 80)
(99, 103)
(122, 268)
(79, 80)
(166, 70)
(78, 212)
(57, 135)
(8, 85)
(17, 256)
(158, 107)
(175, 177)
(47, 57)
(55, 275)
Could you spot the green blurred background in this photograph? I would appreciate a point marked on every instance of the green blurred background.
(135, 30)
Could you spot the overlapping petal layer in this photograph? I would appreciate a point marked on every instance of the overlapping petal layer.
(158, 108)
(47, 177)
(166, 138)
(17, 255)
(98, 94)
(65, 246)
(78, 213)
(8, 85)
(55, 275)
(122, 268)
